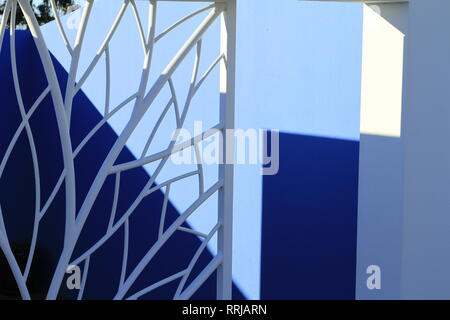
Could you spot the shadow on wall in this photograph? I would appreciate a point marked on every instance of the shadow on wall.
(17, 196)
(310, 220)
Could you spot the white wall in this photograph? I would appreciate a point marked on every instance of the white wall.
(404, 209)
(426, 229)
(380, 171)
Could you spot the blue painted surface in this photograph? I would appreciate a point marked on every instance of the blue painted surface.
(310, 220)
(17, 192)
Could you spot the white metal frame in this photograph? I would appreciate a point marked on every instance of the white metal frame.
(143, 99)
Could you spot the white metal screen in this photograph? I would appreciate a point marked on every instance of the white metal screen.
(142, 99)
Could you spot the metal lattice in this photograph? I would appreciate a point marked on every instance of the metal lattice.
(142, 99)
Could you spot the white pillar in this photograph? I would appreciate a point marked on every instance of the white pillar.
(226, 170)
(426, 226)
(404, 192)
(380, 201)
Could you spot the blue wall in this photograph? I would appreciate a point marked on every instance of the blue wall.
(310, 220)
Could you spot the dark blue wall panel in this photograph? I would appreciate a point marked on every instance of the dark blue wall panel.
(310, 220)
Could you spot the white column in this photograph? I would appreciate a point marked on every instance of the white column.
(227, 104)
(404, 200)
(426, 226)
(380, 201)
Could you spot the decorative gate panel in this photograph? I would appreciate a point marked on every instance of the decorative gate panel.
(79, 211)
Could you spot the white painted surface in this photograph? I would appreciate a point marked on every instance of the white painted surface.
(426, 130)
(404, 207)
(381, 164)
(382, 69)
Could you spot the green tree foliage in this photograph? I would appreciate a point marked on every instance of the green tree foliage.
(42, 8)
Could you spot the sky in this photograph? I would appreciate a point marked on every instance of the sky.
(298, 70)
